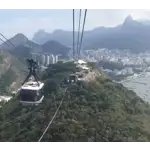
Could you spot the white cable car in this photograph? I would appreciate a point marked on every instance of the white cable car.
(72, 78)
(32, 93)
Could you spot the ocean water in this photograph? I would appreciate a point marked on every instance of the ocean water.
(140, 84)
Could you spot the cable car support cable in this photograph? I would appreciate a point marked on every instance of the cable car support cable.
(73, 34)
(82, 31)
(15, 119)
(50, 122)
(79, 33)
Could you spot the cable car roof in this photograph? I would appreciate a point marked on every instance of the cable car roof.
(32, 85)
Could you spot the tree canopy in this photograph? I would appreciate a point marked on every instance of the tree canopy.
(100, 110)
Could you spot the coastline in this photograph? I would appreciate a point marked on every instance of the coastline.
(140, 84)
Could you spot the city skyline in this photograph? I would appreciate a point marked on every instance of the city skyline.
(45, 59)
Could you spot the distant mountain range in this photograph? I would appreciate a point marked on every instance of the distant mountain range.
(132, 34)
(24, 47)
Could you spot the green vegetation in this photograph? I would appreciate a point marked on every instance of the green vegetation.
(55, 75)
(97, 111)
(6, 79)
(1, 59)
(12, 71)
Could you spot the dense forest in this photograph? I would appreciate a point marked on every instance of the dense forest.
(99, 110)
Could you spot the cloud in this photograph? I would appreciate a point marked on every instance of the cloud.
(29, 22)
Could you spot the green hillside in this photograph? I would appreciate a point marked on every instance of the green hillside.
(12, 72)
(100, 110)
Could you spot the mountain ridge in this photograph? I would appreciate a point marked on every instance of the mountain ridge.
(23, 47)
(131, 34)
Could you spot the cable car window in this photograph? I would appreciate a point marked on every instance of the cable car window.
(39, 95)
(80, 76)
(28, 95)
(72, 77)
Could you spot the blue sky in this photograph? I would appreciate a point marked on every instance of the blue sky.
(29, 21)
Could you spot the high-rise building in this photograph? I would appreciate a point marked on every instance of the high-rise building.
(47, 60)
(45, 64)
(39, 59)
(53, 59)
(56, 58)
(43, 59)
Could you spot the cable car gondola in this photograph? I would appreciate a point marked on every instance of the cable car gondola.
(31, 91)
(72, 78)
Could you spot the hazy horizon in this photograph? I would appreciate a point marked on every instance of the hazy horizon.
(30, 21)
